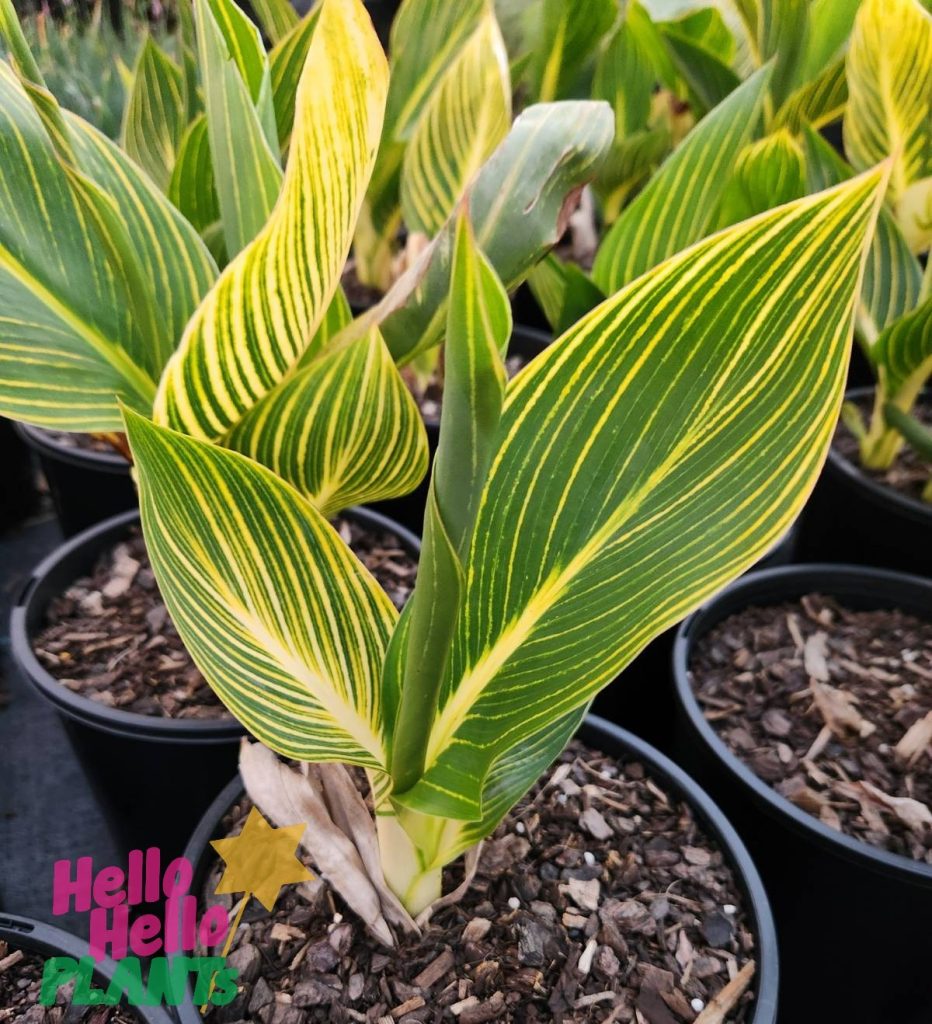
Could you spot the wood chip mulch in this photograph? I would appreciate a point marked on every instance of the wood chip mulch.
(20, 981)
(833, 708)
(109, 636)
(909, 473)
(598, 899)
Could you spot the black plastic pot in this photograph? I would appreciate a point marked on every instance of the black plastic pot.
(152, 776)
(409, 510)
(86, 487)
(18, 476)
(852, 920)
(27, 934)
(616, 742)
(642, 698)
(853, 518)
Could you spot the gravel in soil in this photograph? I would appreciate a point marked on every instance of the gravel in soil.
(20, 981)
(82, 442)
(109, 636)
(598, 899)
(909, 473)
(831, 707)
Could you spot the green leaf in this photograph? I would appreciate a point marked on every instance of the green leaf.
(154, 118)
(677, 207)
(69, 343)
(235, 76)
(779, 31)
(768, 173)
(246, 338)
(518, 206)
(564, 292)
(286, 61)
(818, 102)
(569, 32)
(192, 188)
(903, 355)
(645, 460)
(281, 618)
(892, 277)
(709, 80)
(478, 329)
(344, 430)
(277, 18)
(890, 81)
(830, 24)
(630, 162)
(625, 75)
(917, 435)
(466, 119)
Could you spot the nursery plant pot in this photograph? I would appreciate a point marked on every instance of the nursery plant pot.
(46, 941)
(854, 518)
(409, 509)
(614, 742)
(152, 775)
(852, 919)
(20, 494)
(642, 698)
(86, 486)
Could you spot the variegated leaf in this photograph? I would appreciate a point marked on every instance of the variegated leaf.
(246, 337)
(465, 120)
(646, 459)
(286, 61)
(818, 102)
(889, 71)
(154, 117)
(277, 18)
(678, 205)
(281, 618)
(240, 119)
(344, 430)
(569, 32)
(903, 355)
(563, 291)
(768, 172)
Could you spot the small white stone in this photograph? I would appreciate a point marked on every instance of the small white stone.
(589, 858)
(730, 908)
(519, 828)
(697, 1004)
(514, 902)
(337, 918)
(561, 799)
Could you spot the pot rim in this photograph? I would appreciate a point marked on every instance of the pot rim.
(768, 586)
(47, 940)
(878, 493)
(42, 441)
(117, 721)
(599, 732)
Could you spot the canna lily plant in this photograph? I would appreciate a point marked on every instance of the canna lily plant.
(113, 296)
(650, 455)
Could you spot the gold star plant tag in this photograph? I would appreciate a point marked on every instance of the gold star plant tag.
(261, 859)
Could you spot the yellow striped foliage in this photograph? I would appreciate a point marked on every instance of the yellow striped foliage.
(645, 459)
(286, 62)
(72, 339)
(248, 335)
(154, 118)
(465, 119)
(281, 618)
(768, 172)
(889, 69)
(278, 18)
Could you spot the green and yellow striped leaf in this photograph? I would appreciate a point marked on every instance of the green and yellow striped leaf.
(563, 291)
(631, 161)
(892, 277)
(769, 172)
(344, 430)
(889, 112)
(478, 329)
(154, 118)
(625, 73)
(645, 459)
(678, 205)
(282, 619)
(240, 119)
(246, 337)
(818, 102)
(830, 24)
(565, 44)
(286, 61)
(70, 344)
(903, 356)
(277, 18)
(192, 188)
(778, 31)
(465, 120)
(518, 204)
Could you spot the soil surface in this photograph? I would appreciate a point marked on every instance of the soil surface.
(109, 636)
(598, 899)
(360, 296)
(20, 981)
(909, 473)
(833, 708)
(81, 442)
